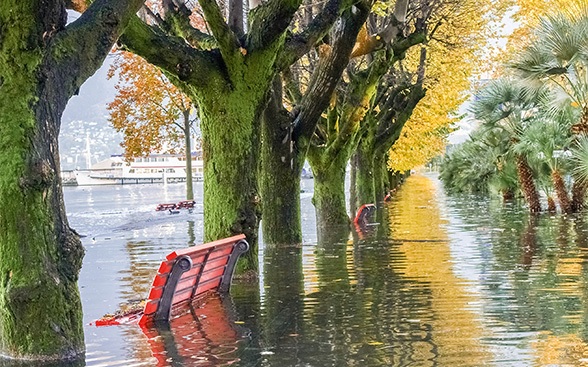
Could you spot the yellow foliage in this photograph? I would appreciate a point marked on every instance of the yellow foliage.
(526, 16)
(453, 55)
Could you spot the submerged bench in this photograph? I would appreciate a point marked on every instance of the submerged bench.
(185, 275)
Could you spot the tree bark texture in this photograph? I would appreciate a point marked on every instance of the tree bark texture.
(366, 193)
(528, 184)
(281, 166)
(561, 191)
(579, 195)
(231, 141)
(42, 64)
(329, 193)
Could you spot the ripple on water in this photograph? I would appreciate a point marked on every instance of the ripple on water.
(446, 281)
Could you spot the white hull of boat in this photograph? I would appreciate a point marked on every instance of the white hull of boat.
(87, 178)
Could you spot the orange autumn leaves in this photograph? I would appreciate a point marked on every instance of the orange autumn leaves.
(146, 108)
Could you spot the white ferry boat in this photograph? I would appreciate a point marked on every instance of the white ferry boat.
(155, 168)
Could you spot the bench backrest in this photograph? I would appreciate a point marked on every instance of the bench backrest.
(191, 272)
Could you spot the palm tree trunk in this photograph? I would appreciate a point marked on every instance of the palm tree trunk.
(551, 205)
(508, 195)
(561, 191)
(578, 195)
(528, 185)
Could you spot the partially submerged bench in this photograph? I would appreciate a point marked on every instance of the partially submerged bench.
(185, 275)
(199, 335)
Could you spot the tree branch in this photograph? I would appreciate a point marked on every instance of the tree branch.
(328, 73)
(172, 54)
(268, 22)
(80, 49)
(386, 139)
(226, 39)
(177, 22)
(299, 44)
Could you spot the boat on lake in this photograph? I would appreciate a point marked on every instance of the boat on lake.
(155, 168)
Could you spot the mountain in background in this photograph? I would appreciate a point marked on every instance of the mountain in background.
(85, 123)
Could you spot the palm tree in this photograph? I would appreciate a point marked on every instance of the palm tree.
(506, 106)
(545, 142)
(557, 58)
(467, 168)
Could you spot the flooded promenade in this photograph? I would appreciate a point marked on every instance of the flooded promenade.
(443, 281)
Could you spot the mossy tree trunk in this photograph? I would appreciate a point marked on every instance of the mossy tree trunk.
(353, 186)
(229, 75)
(231, 141)
(42, 64)
(380, 177)
(329, 190)
(364, 156)
(287, 135)
(383, 129)
(281, 166)
(340, 132)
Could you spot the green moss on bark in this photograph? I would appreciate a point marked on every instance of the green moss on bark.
(230, 144)
(40, 308)
(329, 194)
(279, 182)
(364, 180)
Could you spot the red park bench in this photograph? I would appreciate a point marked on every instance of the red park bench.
(183, 276)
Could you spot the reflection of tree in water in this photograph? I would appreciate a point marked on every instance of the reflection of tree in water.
(423, 259)
(536, 281)
(205, 334)
(283, 307)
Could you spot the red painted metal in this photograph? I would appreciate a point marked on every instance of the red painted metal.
(208, 269)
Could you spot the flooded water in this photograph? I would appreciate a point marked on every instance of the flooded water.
(443, 281)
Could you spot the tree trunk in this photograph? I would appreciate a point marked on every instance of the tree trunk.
(365, 174)
(380, 179)
(188, 156)
(550, 204)
(561, 191)
(578, 195)
(353, 186)
(329, 195)
(230, 134)
(281, 167)
(280, 192)
(528, 185)
(40, 257)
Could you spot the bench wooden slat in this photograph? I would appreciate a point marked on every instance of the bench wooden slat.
(202, 268)
(166, 266)
(208, 285)
(218, 243)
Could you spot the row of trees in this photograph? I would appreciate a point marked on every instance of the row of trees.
(359, 98)
(336, 63)
(533, 124)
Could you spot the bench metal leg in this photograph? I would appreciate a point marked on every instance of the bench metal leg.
(241, 247)
(182, 265)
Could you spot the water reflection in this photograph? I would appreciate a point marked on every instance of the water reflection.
(205, 334)
(443, 281)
